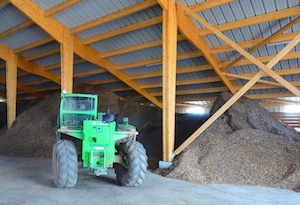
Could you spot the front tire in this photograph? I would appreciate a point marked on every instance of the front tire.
(64, 164)
(133, 169)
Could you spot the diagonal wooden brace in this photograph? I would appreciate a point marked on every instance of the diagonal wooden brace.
(238, 48)
(244, 89)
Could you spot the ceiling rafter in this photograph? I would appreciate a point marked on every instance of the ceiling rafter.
(157, 60)
(41, 55)
(254, 20)
(264, 68)
(264, 42)
(137, 47)
(290, 55)
(83, 73)
(57, 65)
(22, 87)
(178, 71)
(289, 71)
(34, 44)
(29, 67)
(133, 27)
(195, 91)
(251, 43)
(209, 4)
(61, 7)
(110, 17)
(3, 3)
(188, 28)
(185, 82)
(16, 28)
(86, 52)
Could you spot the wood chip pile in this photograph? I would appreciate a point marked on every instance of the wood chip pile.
(33, 132)
(245, 146)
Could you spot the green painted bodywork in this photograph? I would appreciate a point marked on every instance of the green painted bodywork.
(78, 118)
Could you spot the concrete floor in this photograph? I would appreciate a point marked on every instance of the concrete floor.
(29, 181)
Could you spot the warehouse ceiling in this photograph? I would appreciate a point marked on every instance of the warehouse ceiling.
(118, 44)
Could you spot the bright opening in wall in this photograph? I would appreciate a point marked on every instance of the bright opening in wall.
(292, 109)
(196, 110)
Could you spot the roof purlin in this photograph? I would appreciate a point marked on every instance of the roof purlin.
(54, 28)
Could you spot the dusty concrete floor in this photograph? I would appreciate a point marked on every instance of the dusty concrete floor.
(29, 181)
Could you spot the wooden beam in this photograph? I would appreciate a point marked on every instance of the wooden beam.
(251, 43)
(169, 78)
(157, 60)
(24, 88)
(288, 71)
(195, 91)
(255, 61)
(3, 3)
(90, 72)
(264, 42)
(41, 55)
(98, 82)
(282, 101)
(186, 82)
(35, 82)
(235, 97)
(11, 87)
(16, 28)
(178, 70)
(120, 89)
(164, 4)
(188, 28)
(77, 61)
(54, 28)
(248, 78)
(3, 66)
(66, 59)
(209, 4)
(118, 14)
(123, 30)
(34, 44)
(285, 13)
(290, 55)
(137, 47)
(48, 88)
(61, 7)
(29, 67)
(272, 104)
(267, 86)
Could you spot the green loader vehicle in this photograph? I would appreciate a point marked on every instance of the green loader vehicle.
(101, 142)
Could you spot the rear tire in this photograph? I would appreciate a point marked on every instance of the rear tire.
(132, 171)
(64, 164)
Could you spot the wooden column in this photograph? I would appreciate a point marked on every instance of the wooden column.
(11, 87)
(67, 56)
(169, 78)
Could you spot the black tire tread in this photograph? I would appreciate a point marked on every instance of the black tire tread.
(64, 164)
(136, 173)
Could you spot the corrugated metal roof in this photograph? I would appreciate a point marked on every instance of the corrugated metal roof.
(46, 5)
(28, 78)
(41, 49)
(132, 38)
(10, 17)
(89, 10)
(23, 37)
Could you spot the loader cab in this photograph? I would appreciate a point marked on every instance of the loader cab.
(75, 108)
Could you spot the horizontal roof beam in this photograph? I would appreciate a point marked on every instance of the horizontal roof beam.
(118, 14)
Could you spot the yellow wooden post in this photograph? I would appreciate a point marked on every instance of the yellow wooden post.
(67, 56)
(169, 78)
(11, 87)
